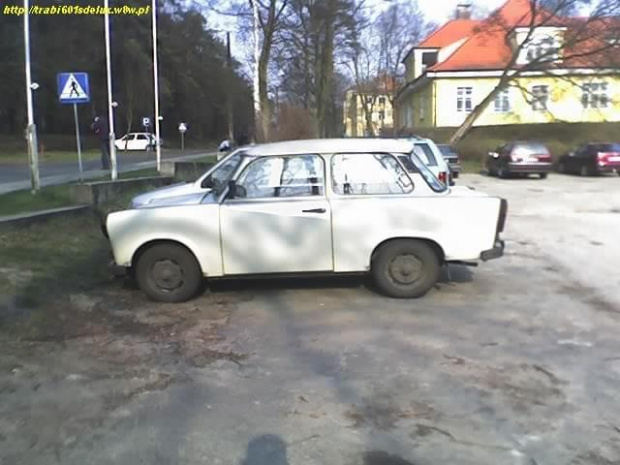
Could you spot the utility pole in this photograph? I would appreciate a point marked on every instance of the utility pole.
(229, 96)
(31, 129)
(156, 85)
(258, 136)
(108, 60)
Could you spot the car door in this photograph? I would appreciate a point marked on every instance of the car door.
(142, 142)
(279, 220)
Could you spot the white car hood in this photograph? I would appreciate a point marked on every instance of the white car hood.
(169, 195)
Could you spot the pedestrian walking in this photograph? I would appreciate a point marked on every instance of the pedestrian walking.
(100, 127)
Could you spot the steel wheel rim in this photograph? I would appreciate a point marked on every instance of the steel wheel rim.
(167, 275)
(406, 269)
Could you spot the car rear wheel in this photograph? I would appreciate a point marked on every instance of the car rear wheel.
(168, 273)
(502, 173)
(584, 171)
(542, 175)
(405, 268)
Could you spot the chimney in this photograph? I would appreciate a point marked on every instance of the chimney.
(463, 11)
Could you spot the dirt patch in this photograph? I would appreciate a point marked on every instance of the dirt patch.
(384, 414)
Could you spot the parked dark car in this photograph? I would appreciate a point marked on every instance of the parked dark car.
(519, 158)
(452, 157)
(591, 159)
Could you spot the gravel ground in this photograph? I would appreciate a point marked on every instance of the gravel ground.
(513, 362)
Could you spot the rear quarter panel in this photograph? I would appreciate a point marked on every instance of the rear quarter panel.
(462, 225)
(195, 226)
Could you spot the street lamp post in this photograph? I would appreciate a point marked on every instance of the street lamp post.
(156, 85)
(31, 130)
(108, 59)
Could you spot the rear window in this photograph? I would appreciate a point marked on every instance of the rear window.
(609, 148)
(425, 153)
(446, 150)
(531, 148)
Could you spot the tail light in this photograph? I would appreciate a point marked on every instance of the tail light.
(608, 157)
(543, 157)
(443, 177)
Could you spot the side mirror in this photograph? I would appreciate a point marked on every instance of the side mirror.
(493, 154)
(207, 183)
(235, 191)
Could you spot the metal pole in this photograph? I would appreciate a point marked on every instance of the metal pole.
(108, 60)
(156, 84)
(183, 142)
(31, 129)
(229, 99)
(77, 139)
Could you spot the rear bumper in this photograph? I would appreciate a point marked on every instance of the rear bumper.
(530, 167)
(608, 168)
(496, 252)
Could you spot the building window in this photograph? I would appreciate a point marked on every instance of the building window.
(540, 97)
(502, 101)
(381, 115)
(595, 95)
(381, 100)
(463, 99)
(369, 100)
(543, 49)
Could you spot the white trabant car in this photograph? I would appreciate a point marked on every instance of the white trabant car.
(333, 206)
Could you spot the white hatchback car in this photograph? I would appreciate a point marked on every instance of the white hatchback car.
(136, 141)
(318, 206)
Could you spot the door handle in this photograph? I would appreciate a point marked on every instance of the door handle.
(315, 210)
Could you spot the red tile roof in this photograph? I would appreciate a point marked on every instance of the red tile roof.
(451, 32)
(486, 47)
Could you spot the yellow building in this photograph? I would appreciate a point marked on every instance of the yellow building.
(454, 69)
(367, 114)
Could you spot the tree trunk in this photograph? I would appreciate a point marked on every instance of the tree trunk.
(265, 110)
(326, 78)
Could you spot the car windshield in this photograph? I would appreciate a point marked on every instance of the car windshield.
(223, 172)
(413, 164)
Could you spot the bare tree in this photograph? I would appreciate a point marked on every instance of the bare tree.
(397, 29)
(591, 41)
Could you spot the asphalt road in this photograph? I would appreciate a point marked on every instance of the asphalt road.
(514, 362)
(14, 176)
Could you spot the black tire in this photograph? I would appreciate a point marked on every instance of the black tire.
(393, 268)
(584, 171)
(561, 168)
(542, 175)
(455, 175)
(168, 273)
(502, 173)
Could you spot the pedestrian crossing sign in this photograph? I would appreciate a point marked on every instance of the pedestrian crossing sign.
(73, 88)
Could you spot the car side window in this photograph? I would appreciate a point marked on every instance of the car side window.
(285, 176)
(369, 174)
(141, 137)
(425, 153)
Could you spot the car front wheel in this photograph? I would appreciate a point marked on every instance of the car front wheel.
(168, 273)
(405, 268)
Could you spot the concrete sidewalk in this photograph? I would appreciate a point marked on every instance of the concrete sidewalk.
(92, 174)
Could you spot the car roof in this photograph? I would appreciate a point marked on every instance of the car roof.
(347, 145)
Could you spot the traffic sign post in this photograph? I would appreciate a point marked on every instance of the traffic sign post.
(146, 124)
(182, 130)
(73, 89)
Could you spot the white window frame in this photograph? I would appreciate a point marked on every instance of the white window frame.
(543, 46)
(502, 101)
(464, 99)
(540, 101)
(595, 95)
